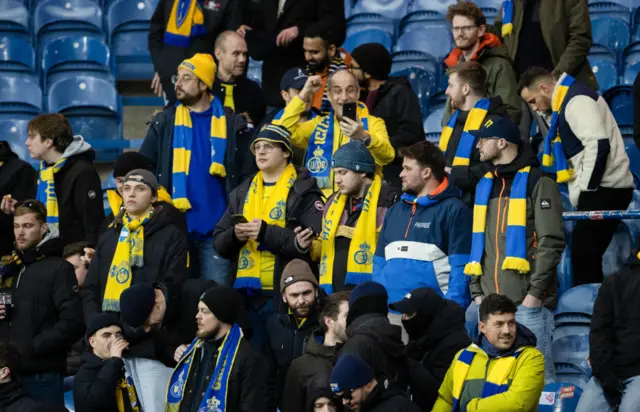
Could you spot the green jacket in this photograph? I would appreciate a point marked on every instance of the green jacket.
(566, 29)
(545, 234)
(501, 76)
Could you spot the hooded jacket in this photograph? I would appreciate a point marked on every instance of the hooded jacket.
(46, 317)
(426, 244)
(14, 398)
(387, 400)
(317, 359)
(318, 387)
(525, 380)
(94, 386)
(501, 76)
(79, 194)
(165, 258)
(544, 231)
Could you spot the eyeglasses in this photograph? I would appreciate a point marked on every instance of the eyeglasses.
(263, 147)
(175, 79)
(463, 29)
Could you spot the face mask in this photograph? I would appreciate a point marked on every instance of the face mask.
(414, 327)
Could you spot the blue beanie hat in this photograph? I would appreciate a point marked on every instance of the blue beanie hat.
(350, 373)
(354, 156)
(367, 297)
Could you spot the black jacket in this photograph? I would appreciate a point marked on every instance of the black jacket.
(387, 400)
(247, 98)
(166, 58)
(636, 110)
(14, 398)
(304, 206)
(431, 354)
(46, 317)
(18, 179)
(246, 391)
(397, 104)
(238, 161)
(379, 343)
(317, 359)
(94, 387)
(615, 331)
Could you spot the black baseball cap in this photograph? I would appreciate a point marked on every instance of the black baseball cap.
(293, 79)
(414, 300)
(498, 127)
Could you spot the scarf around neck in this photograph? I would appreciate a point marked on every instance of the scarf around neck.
(467, 140)
(553, 149)
(47, 190)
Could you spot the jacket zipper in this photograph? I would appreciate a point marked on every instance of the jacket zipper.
(413, 212)
(495, 275)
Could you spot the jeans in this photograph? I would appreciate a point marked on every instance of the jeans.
(44, 387)
(150, 379)
(540, 321)
(593, 399)
(206, 263)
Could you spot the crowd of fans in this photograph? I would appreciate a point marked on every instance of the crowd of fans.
(303, 248)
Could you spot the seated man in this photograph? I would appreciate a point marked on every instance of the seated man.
(501, 371)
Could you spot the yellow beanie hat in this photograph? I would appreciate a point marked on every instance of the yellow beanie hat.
(203, 66)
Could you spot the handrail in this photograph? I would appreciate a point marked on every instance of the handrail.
(602, 215)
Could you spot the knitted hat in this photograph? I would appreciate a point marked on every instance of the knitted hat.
(297, 271)
(103, 320)
(203, 66)
(136, 303)
(374, 59)
(367, 297)
(354, 156)
(224, 302)
(349, 373)
(142, 176)
(129, 161)
(274, 134)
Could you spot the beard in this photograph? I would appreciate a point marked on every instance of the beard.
(319, 66)
(207, 333)
(456, 103)
(189, 99)
(340, 332)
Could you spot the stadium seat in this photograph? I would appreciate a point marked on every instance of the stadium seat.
(578, 301)
(20, 98)
(68, 401)
(572, 349)
(128, 31)
(604, 65)
(366, 36)
(59, 18)
(365, 21)
(392, 9)
(75, 56)
(414, 59)
(611, 32)
(559, 397)
(571, 374)
(434, 40)
(490, 14)
(634, 156)
(14, 19)
(631, 63)
(17, 57)
(348, 6)
(620, 99)
(15, 132)
(440, 6)
(254, 71)
(635, 24)
(618, 251)
(609, 9)
(565, 273)
(422, 82)
(422, 18)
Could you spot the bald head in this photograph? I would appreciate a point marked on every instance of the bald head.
(342, 77)
(342, 87)
(231, 53)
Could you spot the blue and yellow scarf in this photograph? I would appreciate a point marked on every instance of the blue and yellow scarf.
(516, 250)
(552, 140)
(215, 398)
(321, 146)
(507, 18)
(467, 141)
(182, 143)
(47, 190)
(185, 22)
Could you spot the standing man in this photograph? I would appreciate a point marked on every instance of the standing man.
(199, 151)
(323, 135)
(231, 85)
(350, 225)
(426, 237)
(44, 317)
(588, 150)
(474, 43)
(390, 99)
(68, 183)
(181, 28)
(218, 369)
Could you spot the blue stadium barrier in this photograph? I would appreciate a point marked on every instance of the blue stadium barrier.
(365, 21)
(14, 19)
(20, 98)
(366, 36)
(620, 100)
(559, 397)
(604, 65)
(422, 18)
(17, 57)
(392, 9)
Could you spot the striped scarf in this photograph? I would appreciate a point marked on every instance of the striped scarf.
(47, 190)
(507, 17)
(186, 21)
(516, 250)
(182, 142)
(553, 149)
(336, 63)
(363, 244)
(467, 141)
(125, 387)
(215, 397)
(496, 382)
(129, 254)
(272, 212)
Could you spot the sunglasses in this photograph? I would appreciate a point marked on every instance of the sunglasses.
(346, 395)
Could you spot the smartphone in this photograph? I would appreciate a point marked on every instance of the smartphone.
(238, 219)
(303, 227)
(349, 110)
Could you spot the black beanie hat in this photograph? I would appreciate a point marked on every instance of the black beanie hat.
(374, 59)
(367, 297)
(225, 303)
(129, 161)
(136, 303)
(101, 321)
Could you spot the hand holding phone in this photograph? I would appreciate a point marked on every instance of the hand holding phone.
(238, 218)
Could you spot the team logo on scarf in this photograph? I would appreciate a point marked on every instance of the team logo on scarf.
(183, 10)
(120, 273)
(318, 163)
(212, 406)
(277, 212)
(364, 255)
(245, 262)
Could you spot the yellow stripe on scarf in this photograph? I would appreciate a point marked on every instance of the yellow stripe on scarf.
(47, 190)
(123, 388)
(363, 244)
(272, 212)
(185, 21)
(228, 96)
(474, 121)
(129, 253)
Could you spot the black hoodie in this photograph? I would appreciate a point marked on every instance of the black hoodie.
(387, 400)
(94, 387)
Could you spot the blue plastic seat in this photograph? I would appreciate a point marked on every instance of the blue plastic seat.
(59, 18)
(75, 56)
(604, 65)
(15, 133)
(14, 19)
(348, 6)
(440, 6)
(565, 271)
(611, 32)
(569, 373)
(366, 36)
(619, 250)
(572, 349)
(631, 63)
(367, 21)
(422, 18)
(422, 82)
(68, 401)
(128, 31)
(635, 24)
(559, 397)
(17, 57)
(433, 40)
(254, 71)
(20, 98)
(392, 9)
(620, 99)
(609, 9)
(578, 301)
(490, 13)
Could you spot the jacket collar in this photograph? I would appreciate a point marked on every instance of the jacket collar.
(487, 41)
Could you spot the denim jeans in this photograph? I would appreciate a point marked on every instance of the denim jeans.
(593, 399)
(44, 387)
(207, 264)
(540, 321)
(150, 379)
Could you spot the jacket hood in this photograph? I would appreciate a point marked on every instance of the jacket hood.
(318, 387)
(445, 190)
(487, 41)
(77, 146)
(524, 337)
(50, 245)
(450, 318)
(316, 347)
(526, 157)
(377, 327)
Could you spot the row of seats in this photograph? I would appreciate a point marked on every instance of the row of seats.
(104, 4)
